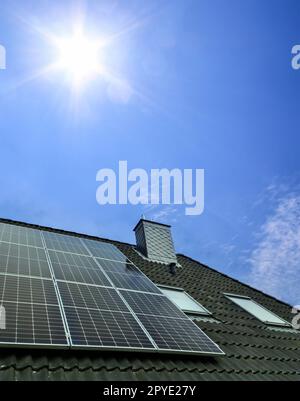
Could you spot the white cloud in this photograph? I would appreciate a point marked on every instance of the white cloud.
(275, 260)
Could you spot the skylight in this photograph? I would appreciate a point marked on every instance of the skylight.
(258, 311)
(184, 301)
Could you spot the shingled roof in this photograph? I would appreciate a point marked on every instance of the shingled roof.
(253, 350)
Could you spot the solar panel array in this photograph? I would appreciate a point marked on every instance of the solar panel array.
(27, 290)
(68, 291)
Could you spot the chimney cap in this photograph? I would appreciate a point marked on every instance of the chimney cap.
(150, 221)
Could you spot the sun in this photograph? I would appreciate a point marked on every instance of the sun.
(79, 57)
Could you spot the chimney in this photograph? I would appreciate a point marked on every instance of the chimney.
(154, 241)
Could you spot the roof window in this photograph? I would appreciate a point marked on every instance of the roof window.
(258, 311)
(184, 301)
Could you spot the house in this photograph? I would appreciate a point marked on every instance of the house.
(252, 329)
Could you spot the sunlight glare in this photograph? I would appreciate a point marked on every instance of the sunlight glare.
(79, 57)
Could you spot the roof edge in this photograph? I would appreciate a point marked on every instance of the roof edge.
(235, 279)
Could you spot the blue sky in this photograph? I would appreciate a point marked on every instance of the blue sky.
(210, 85)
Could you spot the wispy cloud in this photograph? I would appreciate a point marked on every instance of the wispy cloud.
(228, 248)
(164, 213)
(275, 259)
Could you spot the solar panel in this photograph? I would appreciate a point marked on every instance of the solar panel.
(25, 260)
(168, 326)
(72, 259)
(77, 268)
(126, 275)
(138, 283)
(20, 235)
(98, 328)
(97, 316)
(34, 324)
(118, 267)
(64, 290)
(91, 297)
(150, 304)
(27, 289)
(178, 334)
(104, 250)
(64, 243)
(32, 312)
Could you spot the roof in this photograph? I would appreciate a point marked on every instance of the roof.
(253, 350)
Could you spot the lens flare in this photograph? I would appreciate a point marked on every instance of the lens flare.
(80, 58)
